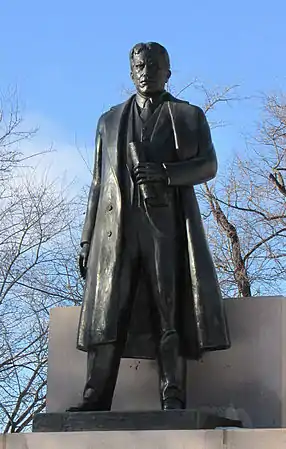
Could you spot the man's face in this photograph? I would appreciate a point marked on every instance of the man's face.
(149, 73)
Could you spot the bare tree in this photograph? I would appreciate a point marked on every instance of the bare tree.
(38, 230)
(11, 133)
(248, 217)
(37, 271)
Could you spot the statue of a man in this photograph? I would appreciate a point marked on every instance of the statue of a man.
(143, 224)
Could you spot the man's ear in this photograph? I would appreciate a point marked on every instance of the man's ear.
(131, 75)
(169, 75)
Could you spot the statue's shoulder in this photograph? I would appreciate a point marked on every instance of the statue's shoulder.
(114, 111)
(117, 107)
(109, 112)
(185, 111)
(177, 101)
(183, 105)
(108, 115)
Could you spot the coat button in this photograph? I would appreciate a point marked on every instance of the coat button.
(110, 207)
(109, 233)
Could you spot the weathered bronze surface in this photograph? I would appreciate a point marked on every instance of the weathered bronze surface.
(144, 254)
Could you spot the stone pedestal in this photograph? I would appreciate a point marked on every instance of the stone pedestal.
(111, 421)
(246, 382)
(155, 439)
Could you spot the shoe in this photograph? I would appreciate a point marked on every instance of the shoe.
(172, 404)
(89, 403)
(84, 407)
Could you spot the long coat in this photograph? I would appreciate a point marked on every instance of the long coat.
(202, 326)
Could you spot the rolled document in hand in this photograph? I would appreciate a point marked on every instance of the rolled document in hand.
(137, 155)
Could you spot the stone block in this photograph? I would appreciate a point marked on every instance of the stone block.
(170, 439)
(246, 382)
(255, 439)
(183, 439)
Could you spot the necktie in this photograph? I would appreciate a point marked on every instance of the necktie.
(146, 111)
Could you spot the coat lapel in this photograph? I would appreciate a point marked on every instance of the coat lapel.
(117, 122)
(162, 128)
(115, 136)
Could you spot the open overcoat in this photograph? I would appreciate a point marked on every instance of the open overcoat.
(202, 325)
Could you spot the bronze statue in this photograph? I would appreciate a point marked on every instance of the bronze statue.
(143, 227)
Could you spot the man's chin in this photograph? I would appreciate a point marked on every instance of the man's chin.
(147, 91)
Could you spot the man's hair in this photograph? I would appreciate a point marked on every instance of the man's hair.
(151, 48)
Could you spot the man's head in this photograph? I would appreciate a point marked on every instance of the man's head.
(150, 68)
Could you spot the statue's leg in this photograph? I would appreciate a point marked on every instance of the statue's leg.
(172, 372)
(102, 370)
(104, 360)
(162, 269)
(172, 366)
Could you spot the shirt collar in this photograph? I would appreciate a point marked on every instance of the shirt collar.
(156, 100)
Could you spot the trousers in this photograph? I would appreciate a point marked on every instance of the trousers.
(150, 250)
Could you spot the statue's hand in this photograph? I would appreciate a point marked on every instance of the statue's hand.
(150, 172)
(82, 260)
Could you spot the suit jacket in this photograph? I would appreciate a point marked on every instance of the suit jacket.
(202, 325)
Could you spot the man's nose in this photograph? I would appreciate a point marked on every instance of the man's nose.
(145, 70)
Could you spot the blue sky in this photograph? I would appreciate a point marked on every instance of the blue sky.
(69, 59)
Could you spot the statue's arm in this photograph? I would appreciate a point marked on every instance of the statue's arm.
(93, 192)
(198, 169)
